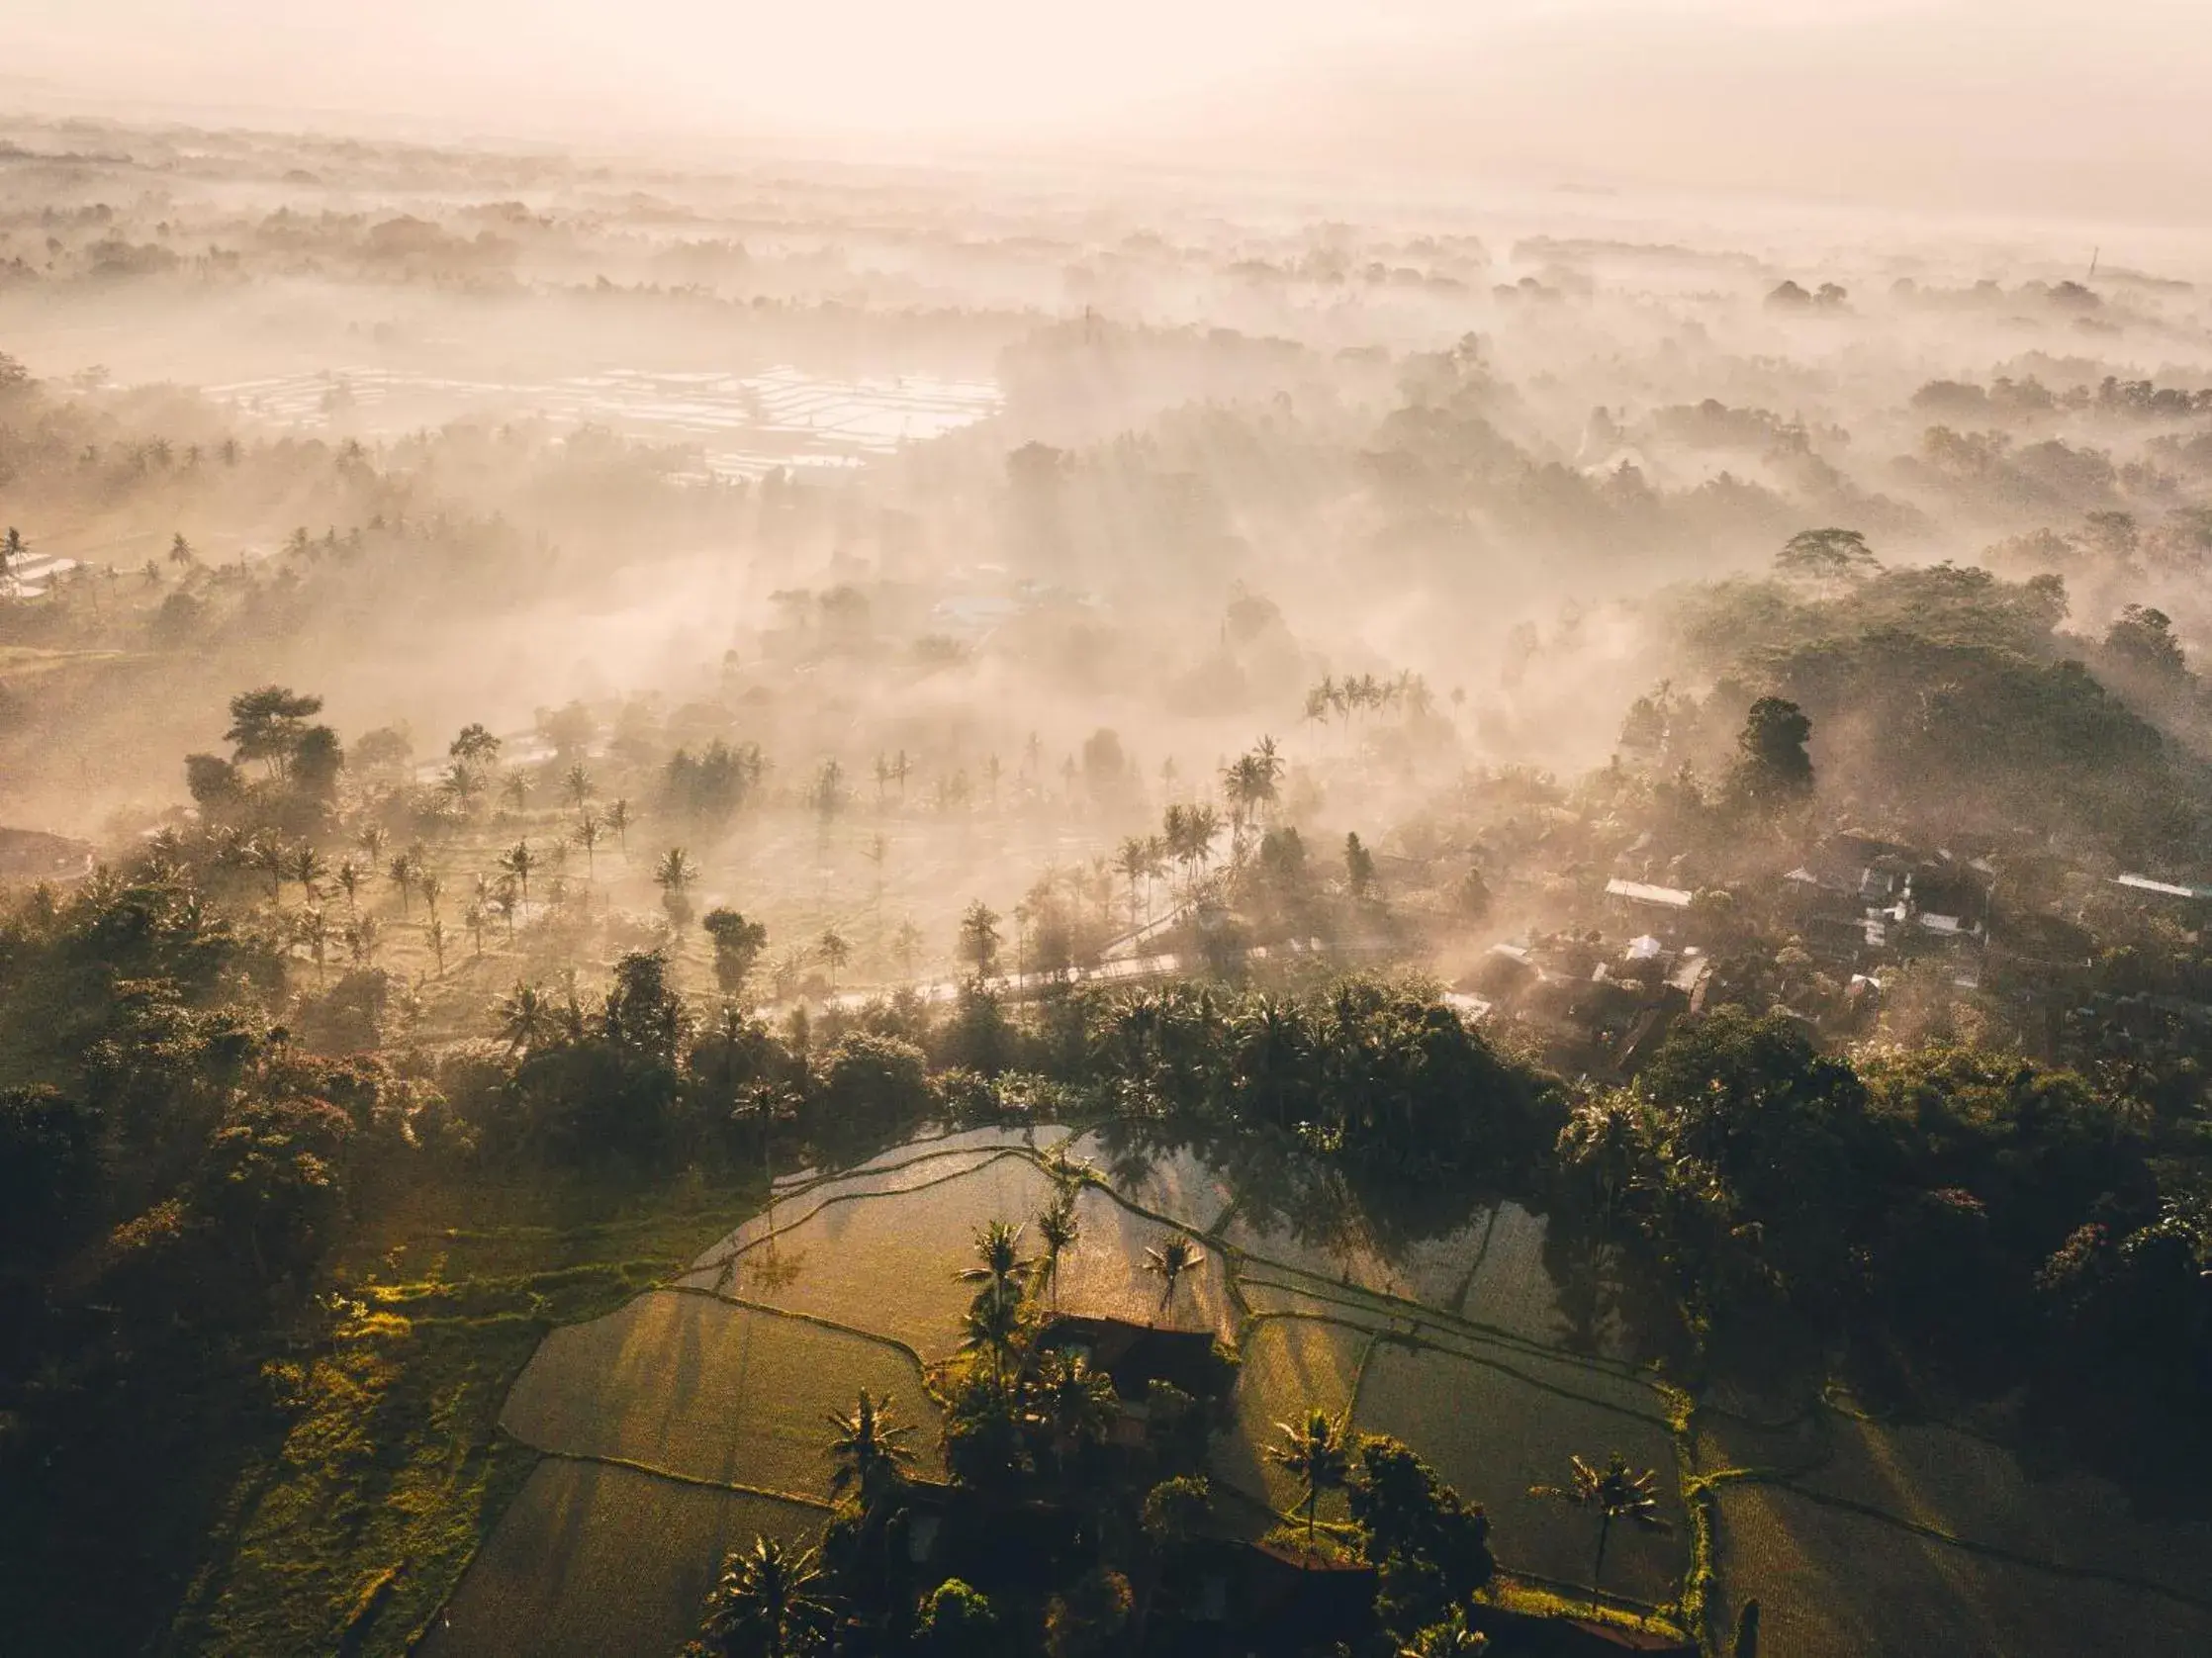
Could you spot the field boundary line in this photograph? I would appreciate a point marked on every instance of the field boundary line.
(736, 1488)
(1422, 1311)
(1197, 1233)
(814, 1318)
(1993, 1551)
(1445, 1328)
(712, 1262)
(1417, 1342)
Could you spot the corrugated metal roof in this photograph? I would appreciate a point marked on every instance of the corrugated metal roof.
(2165, 888)
(1643, 892)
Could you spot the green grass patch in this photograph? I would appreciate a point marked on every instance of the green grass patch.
(1533, 1600)
(346, 1528)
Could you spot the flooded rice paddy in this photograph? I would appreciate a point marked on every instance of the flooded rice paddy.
(745, 426)
(706, 1399)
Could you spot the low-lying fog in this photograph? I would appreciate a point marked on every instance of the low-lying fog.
(1013, 508)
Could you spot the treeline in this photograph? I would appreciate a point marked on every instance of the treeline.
(1944, 696)
(1979, 1213)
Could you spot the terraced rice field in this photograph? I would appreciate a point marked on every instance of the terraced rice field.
(1174, 1181)
(1836, 1584)
(721, 1378)
(693, 1386)
(1488, 1271)
(1966, 1487)
(1856, 1538)
(1104, 1276)
(1292, 1364)
(890, 1264)
(1973, 1554)
(592, 1560)
(1494, 1424)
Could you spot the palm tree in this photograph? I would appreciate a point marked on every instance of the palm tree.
(1075, 1401)
(517, 788)
(402, 872)
(834, 951)
(992, 1324)
(1189, 833)
(675, 873)
(270, 855)
(362, 937)
(1202, 829)
(979, 938)
(372, 840)
(575, 783)
(1131, 859)
(999, 1266)
(1060, 1230)
(349, 874)
(1249, 783)
(1616, 1493)
(436, 934)
(519, 861)
(464, 782)
(1156, 868)
(307, 867)
(1168, 1260)
(506, 903)
(590, 831)
(618, 820)
(868, 1456)
(525, 1017)
(768, 1600)
(1318, 1455)
(472, 918)
(312, 929)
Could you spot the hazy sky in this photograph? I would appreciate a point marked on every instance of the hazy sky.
(2010, 103)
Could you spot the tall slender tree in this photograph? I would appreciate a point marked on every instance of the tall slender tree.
(1615, 1492)
(1316, 1452)
(403, 872)
(979, 939)
(1059, 1230)
(519, 861)
(869, 1453)
(1169, 1260)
